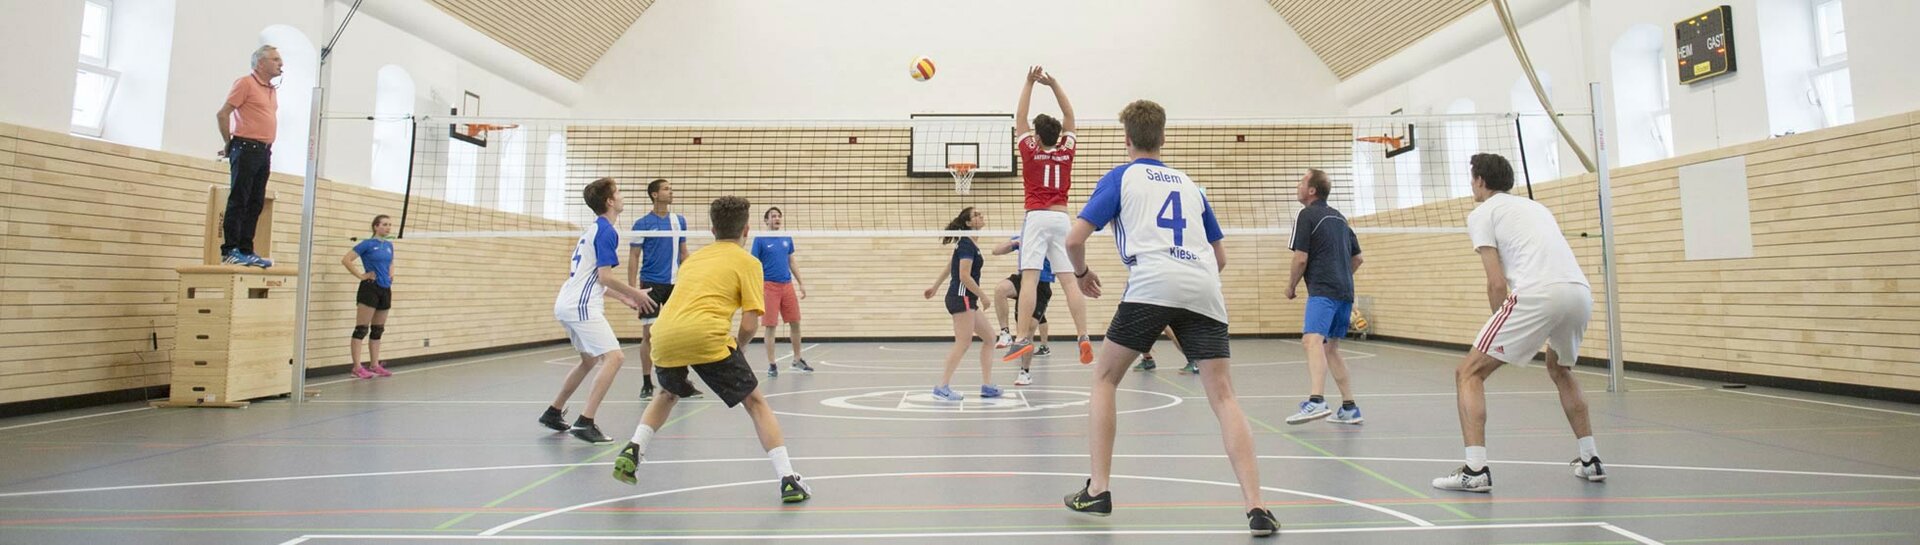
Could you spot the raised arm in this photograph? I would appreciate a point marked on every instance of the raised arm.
(1020, 123)
(1006, 247)
(1060, 96)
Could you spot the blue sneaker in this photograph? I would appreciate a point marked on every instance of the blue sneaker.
(233, 257)
(1310, 411)
(1347, 415)
(989, 390)
(260, 262)
(946, 394)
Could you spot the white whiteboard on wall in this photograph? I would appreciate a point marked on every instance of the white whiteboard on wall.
(1714, 217)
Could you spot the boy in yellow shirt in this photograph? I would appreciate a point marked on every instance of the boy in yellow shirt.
(691, 335)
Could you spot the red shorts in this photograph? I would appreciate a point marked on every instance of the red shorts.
(782, 304)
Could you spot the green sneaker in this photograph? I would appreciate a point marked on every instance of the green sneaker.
(626, 464)
(1146, 364)
(794, 491)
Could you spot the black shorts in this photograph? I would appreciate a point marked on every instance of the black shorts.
(660, 293)
(1044, 293)
(372, 295)
(1137, 325)
(961, 303)
(731, 378)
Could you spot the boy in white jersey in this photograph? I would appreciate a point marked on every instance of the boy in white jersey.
(579, 309)
(1170, 241)
(1539, 297)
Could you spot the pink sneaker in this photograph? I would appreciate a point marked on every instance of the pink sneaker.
(361, 372)
(380, 370)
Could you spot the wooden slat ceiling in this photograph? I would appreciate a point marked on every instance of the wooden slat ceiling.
(568, 36)
(1351, 35)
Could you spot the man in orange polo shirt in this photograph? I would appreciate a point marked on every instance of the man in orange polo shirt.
(247, 125)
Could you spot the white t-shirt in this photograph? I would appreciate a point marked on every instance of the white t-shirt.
(581, 298)
(1532, 249)
(1165, 230)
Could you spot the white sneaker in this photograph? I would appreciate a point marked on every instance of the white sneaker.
(1002, 340)
(1024, 379)
(1592, 471)
(1466, 482)
(1310, 411)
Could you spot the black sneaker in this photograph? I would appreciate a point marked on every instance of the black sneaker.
(1261, 523)
(646, 392)
(555, 419)
(792, 490)
(627, 463)
(696, 393)
(586, 430)
(800, 366)
(773, 369)
(1099, 506)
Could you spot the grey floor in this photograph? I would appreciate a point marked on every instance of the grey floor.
(450, 452)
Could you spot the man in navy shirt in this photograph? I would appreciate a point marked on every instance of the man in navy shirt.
(1326, 253)
(659, 258)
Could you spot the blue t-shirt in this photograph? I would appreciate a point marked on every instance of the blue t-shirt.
(965, 249)
(1046, 266)
(377, 255)
(775, 255)
(660, 256)
(1330, 244)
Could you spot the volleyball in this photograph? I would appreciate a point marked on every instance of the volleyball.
(922, 69)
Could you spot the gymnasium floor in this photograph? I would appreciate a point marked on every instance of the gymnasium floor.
(450, 451)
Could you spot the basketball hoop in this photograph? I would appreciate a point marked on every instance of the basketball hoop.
(962, 176)
(474, 130)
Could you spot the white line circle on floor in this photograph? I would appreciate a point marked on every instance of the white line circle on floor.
(1171, 401)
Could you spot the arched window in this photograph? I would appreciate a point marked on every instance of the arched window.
(1642, 117)
(512, 195)
(392, 128)
(555, 191)
(1363, 181)
(300, 70)
(1539, 141)
(1463, 140)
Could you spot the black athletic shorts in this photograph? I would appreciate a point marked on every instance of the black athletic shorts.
(660, 293)
(372, 295)
(1137, 325)
(731, 378)
(961, 303)
(1044, 293)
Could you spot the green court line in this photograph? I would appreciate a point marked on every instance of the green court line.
(1782, 538)
(1323, 452)
(558, 473)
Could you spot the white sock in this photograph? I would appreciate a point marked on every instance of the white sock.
(1477, 458)
(641, 436)
(782, 466)
(1588, 450)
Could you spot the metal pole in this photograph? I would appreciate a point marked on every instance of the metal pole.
(1615, 368)
(315, 123)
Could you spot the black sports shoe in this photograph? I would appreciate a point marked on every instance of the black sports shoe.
(1099, 506)
(627, 463)
(792, 490)
(586, 430)
(696, 393)
(800, 366)
(646, 391)
(1261, 522)
(555, 419)
(773, 369)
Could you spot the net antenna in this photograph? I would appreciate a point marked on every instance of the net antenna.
(1395, 144)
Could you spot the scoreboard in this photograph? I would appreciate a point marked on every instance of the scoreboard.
(1704, 45)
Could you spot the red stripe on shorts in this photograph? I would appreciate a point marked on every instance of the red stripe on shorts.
(1494, 330)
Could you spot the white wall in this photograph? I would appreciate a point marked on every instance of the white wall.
(42, 41)
(847, 59)
(1574, 43)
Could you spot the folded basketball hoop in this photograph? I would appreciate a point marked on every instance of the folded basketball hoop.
(962, 176)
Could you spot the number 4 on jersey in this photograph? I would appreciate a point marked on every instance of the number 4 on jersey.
(1170, 218)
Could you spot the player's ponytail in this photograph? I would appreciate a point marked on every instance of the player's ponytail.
(960, 223)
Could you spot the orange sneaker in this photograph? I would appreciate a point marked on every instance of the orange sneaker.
(1086, 351)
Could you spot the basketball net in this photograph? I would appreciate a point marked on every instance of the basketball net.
(962, 176)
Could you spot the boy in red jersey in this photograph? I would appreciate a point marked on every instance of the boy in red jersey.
(1046, 165)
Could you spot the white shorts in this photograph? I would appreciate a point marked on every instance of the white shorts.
(1554, 315)
(1043, 238)
(592, 337)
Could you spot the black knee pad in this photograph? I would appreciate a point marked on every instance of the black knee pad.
(377, 330)
(360, 332)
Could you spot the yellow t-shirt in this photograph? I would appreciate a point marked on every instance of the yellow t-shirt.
(697, 325)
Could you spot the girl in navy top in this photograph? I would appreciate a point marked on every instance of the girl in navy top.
(374, 298)
(965, 299)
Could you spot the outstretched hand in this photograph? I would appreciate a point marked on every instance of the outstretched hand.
(645, 303)
(1044, 79)
(1090, 284)
(1034, 73)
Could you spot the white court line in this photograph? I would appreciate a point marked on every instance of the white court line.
(73, 418)
(1816, 402)
(535, 517)
(482, 402)
(924, 535)
(763, 459)
(802, 349)
(1452, 394)
(514, 354)
(1644, 540)
(1576, 369)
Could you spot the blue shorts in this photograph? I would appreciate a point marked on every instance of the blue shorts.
(1328, 318)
